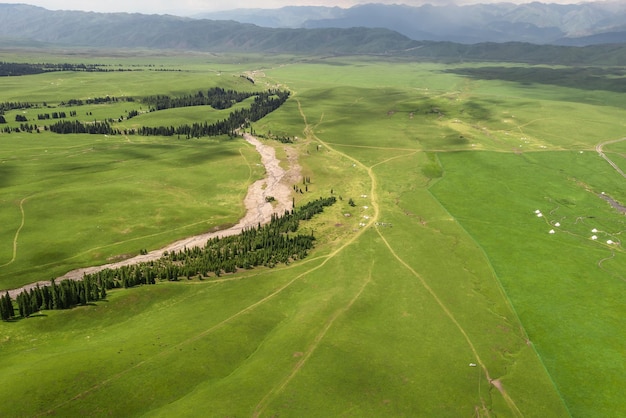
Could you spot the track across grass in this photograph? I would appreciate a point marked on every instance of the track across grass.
(434, 288)
(17, 233)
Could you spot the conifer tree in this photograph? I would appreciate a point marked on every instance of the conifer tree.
(6, 307)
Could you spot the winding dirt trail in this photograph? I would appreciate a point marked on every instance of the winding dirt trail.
(516, 412)
(17, 234)
(603, 155)
(277, 184)
(265, 401)
(274, 391)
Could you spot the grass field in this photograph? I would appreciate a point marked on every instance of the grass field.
(441, 294)
(76, 200)
(570, 296)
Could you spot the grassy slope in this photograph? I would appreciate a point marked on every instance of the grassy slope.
(501, 117)
(378, 322)
(567, 288)
(125, 193)
(551, 278)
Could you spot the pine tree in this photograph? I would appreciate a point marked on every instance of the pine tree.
(6, 307)
(56, 297)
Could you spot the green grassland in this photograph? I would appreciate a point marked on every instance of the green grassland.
(441, 263)
(56, 87)
(181, 116)
(570, 297)
(75, 200)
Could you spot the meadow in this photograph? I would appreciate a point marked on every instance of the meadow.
(439, 293)
(76, 200)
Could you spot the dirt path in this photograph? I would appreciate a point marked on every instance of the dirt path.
(17, 233)
(374, 202)
(266, 400)
(262, 405)
(601, 153)
(277, 184)
(495, 382)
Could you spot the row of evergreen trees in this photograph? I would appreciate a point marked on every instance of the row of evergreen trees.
(65, 295)
(267, 245)
(24, 127)
(17, 68)
(216, 97)
(6, 106)
(55, 115)
(264, 103)
(78, 127)
(97, 100)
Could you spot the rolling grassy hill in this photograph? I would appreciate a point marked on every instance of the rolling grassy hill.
(441, 294)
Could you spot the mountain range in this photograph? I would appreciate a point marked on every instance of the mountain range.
(571, 24)
(23, 26)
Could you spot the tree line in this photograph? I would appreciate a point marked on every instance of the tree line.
(55, 115)
(78, 127)
(17, 69)
(24, 127)
(264, 103)
(65, 295)
(6, 106)
(96, 100)
(216, 97)
(266, 245)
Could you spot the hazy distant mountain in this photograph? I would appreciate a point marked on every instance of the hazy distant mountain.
(293, 17)
(124, 30)
(617, 37)
(30, 26)
(501, 22)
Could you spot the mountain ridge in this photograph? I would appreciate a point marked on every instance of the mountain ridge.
(133, 30)
(30, 25)
(542, 23)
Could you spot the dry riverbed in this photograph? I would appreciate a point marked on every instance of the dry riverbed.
(277, 184)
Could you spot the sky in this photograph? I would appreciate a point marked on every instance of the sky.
(188, 7)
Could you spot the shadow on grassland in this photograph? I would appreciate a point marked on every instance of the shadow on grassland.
(6, 174)
(585, 78)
